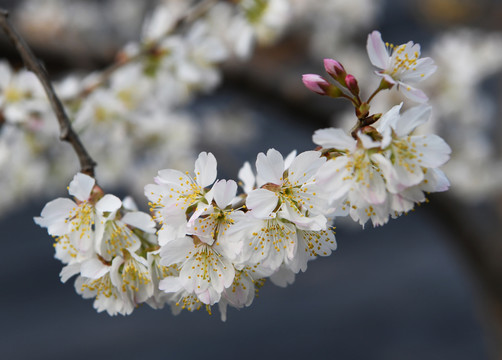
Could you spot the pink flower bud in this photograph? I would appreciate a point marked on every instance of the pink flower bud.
(352, 85)
(316, 83)
(335, 69)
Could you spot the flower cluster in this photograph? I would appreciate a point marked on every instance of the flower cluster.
(207, 244)
(381, 169)
(101, 238)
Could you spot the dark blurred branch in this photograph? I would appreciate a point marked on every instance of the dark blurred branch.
(67, 133)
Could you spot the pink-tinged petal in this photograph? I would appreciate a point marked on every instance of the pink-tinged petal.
(305, 166)
(170, 284)
(140, 220)
(247, 177)
(412, 118)
(377, 51)
(270, 167)
(224, 192)
(81, 186)
(54, 214)
(401, 204)
(94, 269)
(334, 138)
(413, 93)
(68, 271)
(375, 192)
(108, 203)
(432, 150)
(209, 296)
(289, 159)
(176, 251)
(205, 169)
(262, 202)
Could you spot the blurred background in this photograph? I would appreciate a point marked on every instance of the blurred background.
(425, 286)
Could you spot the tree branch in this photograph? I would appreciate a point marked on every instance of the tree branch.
(87, 164)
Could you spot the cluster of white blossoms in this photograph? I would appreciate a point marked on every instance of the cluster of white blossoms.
(179, 55)
(208, 244)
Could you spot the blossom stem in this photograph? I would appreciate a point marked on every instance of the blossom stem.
(87, 164)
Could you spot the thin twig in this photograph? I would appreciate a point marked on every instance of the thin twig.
(87, 164)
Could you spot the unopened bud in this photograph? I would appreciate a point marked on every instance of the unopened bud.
(352, 85)
(335, 69)
(316, 83)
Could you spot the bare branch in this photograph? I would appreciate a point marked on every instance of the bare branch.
(87, 164)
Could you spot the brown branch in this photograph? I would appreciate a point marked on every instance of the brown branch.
(67, 133)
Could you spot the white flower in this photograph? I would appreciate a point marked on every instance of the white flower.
(407, 156)
(354, 183)
(212, 225)
(177, 194)
(372, 179)
(114, 233)
(203, 270)
(242, 291)
(403, 66)
(293, 193)
(21, 94)
(72, 223)
(99, 281)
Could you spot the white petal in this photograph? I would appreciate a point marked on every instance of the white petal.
(108, 203)
(390, 119)
(176, 251)
(304, 166)
(377, 51)
(247, 177)
(262, 202)
(68, 271)
(433, 150)
(94, 269)
(224, 192)
(367, 141)
(205, 169)
(270, 167)
(289, 159)
(412, 118)
(54, 214)
(81, 186)
(424, 68)
(140, 220)
(283, 277)
(170, 284)
(334, 138)
(412, 93)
